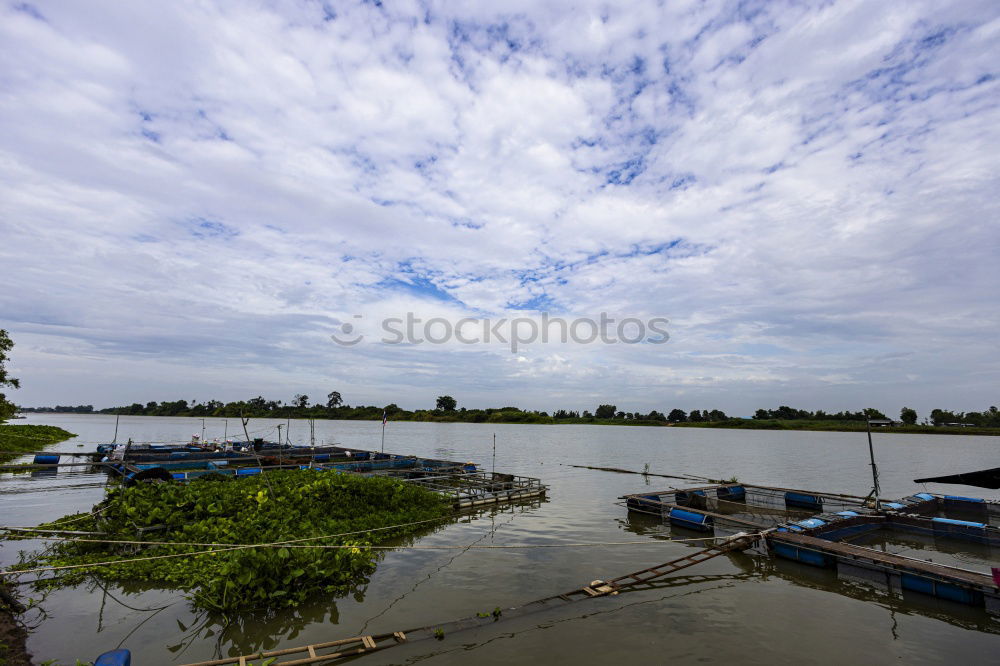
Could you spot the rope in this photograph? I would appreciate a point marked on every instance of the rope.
(246, 545)
(343, 546)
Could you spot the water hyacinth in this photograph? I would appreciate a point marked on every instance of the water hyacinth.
(281, 506)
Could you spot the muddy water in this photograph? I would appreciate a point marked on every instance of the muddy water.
(740, 607)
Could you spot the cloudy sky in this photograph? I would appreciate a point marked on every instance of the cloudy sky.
(195, 196)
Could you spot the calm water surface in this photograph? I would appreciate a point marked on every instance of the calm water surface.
(739, 608)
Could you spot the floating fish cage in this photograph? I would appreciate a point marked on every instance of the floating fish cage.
(473, 489)
(735, 506)
(461, 482)
(829, 530)
(233, 450)
(354, 461)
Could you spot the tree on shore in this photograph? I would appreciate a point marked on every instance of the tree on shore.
(908, 415)
(7, 408)
(446, 403)
(605, 411)
(333, 399)
(677, 416)
(301, 400)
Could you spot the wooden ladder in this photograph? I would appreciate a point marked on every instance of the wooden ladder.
(740, 541)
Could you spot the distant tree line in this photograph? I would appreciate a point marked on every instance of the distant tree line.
(785, 413)
(674, 416)
(61, 409)
(988, 418)
(446, 409)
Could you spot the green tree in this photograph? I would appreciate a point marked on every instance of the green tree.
(677, 416)
(872, 413)
(333, 399)
(942, 416)
(605, 411)
(7, 408)
(446, 403)
(301, 400)
(908, 415)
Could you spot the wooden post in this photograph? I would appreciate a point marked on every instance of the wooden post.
(871, 452)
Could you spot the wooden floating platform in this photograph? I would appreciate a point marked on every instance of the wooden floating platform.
(818, 538)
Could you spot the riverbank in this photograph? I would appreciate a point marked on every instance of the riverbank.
(839, 426)
(13, 635)
(17, 439)
(521, 417)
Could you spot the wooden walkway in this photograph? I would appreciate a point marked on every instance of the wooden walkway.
(849, 551)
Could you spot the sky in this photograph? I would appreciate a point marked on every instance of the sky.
(197, 197)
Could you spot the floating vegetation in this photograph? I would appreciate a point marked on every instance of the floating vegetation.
(24, 438)
(195, 523)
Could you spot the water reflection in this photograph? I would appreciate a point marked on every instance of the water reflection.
(911, 603)
(764, 566)
(250, 632)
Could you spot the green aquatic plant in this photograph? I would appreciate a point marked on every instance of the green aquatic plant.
(294, 511)
(18, 439)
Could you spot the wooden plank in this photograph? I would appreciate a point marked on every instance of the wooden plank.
(859, 552)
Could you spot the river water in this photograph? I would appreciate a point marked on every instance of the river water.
(737, 607)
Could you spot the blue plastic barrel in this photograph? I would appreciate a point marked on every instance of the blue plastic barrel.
(46, 459)
(690, 520)
(644, 501)
(732, 493)
(114, 658)
(804, 501)
(964, 523)
(811, 522)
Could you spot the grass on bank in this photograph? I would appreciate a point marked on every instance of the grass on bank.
(23, 438)
(275, 507)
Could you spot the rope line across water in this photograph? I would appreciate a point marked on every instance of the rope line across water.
(339, 546)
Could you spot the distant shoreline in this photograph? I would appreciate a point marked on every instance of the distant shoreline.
(533, 419)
